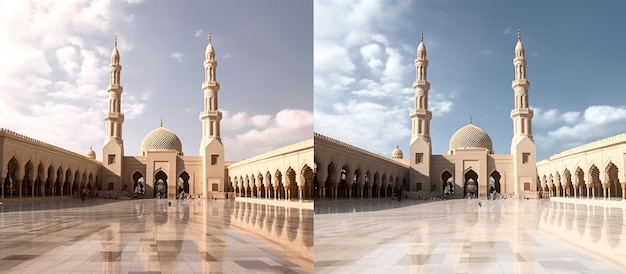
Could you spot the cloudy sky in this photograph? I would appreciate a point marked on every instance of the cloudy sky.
(55, 57)
(363, 64)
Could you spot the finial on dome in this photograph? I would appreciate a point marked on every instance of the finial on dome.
(422, 36)
(115, 41)
(470, 119)
(209, 38)
(519, 36)
(161, 121)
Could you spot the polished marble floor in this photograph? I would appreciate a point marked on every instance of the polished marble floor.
(461, 236)
(154, 236)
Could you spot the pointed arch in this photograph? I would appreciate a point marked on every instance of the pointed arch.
(470, 186)
(447, 182)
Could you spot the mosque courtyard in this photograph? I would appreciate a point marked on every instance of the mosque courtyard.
(461, 236)
(154, 236)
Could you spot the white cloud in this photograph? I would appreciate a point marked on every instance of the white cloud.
(440, 103)
(362, 81)
(508, 30)
(352, 123)
(66, 57)
(332, 57)
(552, 117)
(256, 134)
(371, 56)
(178, 56)
(572, 129)
(50, 59)
(198, 33)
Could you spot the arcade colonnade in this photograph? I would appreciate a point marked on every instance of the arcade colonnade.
(347, 171)
(282, 174)
(593, 170)
(31, 168)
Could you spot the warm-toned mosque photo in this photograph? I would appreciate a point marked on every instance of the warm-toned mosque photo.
(173, 207)
(34, 168)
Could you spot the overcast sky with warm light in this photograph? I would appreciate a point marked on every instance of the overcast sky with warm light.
(55, 57)
(363, 64)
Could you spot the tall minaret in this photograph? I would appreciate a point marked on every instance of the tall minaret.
(523, 147)
(113, 150)
(211, 148)
(420, 146)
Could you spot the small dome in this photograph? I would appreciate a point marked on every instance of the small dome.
(90, 154)
(397, 153)
(470, 136)
(161, 139)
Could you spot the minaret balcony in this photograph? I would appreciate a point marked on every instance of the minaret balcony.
(210, 84)
(520, 83)
(526, 112)
(421, 83)
(421, 113)
(211, 115)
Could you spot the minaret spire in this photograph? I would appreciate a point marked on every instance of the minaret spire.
(211, 147)
(114, 118)
(421, 115)
(522, 114)
(420, 146)
(523, 148)
(113, 149)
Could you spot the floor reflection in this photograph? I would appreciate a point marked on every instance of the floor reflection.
(596, 228)
(193, 236)
(461, 236)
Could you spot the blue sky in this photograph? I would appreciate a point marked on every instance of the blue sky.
(55, 58)
(363, 64)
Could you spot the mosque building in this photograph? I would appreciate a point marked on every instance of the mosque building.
(470, 169)
(31, 168)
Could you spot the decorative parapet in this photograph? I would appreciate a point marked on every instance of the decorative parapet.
(347, 146)
(23, 138)
(606, 142)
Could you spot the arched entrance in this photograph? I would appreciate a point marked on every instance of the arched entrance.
(139, 184)
(470, 187)
(160, 184)
(183, 183)
(447, 183)
(494, 183)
